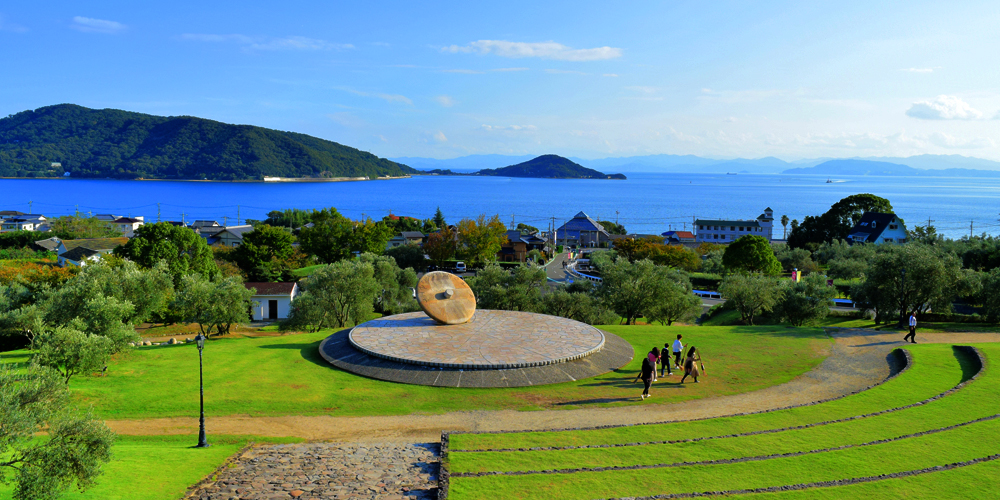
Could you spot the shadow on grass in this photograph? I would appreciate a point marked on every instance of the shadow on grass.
(308, 351)
(968, 361)
(887, 342)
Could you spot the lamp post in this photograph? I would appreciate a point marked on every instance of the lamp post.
(202, 441)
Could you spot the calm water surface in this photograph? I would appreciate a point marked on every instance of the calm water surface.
(645, 203)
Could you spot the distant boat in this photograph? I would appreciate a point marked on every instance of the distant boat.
(828, 181)
(730, 173)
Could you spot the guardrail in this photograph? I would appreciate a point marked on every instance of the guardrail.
(705, 294)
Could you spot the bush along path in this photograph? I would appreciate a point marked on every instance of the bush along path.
(956, 429)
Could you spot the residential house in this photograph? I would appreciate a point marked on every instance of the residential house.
(272, 301)
(728, 231)
(128, 225)
(405, 238)
(79, 256)
(206, 227)
(678, 237)
(517, 246)
(48, 245)
(582, 231)
(6, 214)
(24, 222)
(230, 236)
(109, 218)
(101, 246)
(877, 229)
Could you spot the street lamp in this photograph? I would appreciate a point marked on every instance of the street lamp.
(202, 441)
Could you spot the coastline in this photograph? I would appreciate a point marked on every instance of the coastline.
(269, 181)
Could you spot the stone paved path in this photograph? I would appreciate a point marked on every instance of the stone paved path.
(327, 471)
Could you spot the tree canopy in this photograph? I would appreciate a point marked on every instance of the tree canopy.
(752, 254)
(837, 222)
(183, 250)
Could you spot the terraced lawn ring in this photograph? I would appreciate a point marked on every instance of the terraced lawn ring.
(895, 438)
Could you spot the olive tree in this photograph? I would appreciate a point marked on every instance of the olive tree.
(750, 295)
(518, 289)
(913, 278)
(70, 351)
(633, 289)
(579, 306)
(72, 453)
(678, 303)
(213, 305)
(806, 301)
(335, 296)
(396, 295)
(183, 250)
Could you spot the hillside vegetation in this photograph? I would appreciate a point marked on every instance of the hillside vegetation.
(549, 167)
(126, 145)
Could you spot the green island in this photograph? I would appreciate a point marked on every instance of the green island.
(54, 141)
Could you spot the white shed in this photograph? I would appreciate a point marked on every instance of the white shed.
(272, 301)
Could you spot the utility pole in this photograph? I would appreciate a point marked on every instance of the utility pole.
(237, 215)
(225, 221)
(77, 212)
(157, 212)
(929, 223)
(616, 217)
(512, 227)
(29, 206)
(970, 229)
(183, 221)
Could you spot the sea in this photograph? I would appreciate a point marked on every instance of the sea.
(646, 203)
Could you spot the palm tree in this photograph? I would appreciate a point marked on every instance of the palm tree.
(784, 222)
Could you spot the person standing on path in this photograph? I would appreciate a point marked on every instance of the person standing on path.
(654, 357)
(690, 365)
(913, 329)
(648, 369)
(678, 349)
(665, 360)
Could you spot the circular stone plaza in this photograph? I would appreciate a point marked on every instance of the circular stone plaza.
(492, 349)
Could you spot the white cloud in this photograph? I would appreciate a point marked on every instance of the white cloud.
(947, 141)
(731, 119)
(440, 137)
(544, 50)
(463, 71)
(91, 25)
(509, 69)
(445, 101)
(612, 75)
(509, 128)
(564, 72)
(943, 107)
(382, 138)
(11, 27)
(644, 89)
(386, 97)
(920, 70)
(269, 43)
(347, 119)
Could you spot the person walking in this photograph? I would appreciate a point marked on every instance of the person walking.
(913, 329)
(646, 374)
(691, 365)
(678, 349)
(665, 360)
(654, 357)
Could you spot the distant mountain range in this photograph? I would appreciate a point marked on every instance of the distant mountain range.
(56, 140)
(541, 167)
(948, 165)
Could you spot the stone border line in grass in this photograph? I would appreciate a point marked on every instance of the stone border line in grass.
(338, 351)
(902, 355)
(936, 397)
(821, 484)
(723, 461)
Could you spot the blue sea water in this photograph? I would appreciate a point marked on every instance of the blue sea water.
(645, 203)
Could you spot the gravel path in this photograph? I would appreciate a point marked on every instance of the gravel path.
(326, 471)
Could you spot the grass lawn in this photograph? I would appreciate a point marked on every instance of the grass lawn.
(157, 468)
(929, 376)
(302, 272)
(286, 376)
(948, 445)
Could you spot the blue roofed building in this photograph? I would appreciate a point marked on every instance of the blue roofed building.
(582, 231)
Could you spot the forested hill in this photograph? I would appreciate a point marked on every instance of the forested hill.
(549, 167)
(122, 144)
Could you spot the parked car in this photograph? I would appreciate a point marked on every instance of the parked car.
(460, 267)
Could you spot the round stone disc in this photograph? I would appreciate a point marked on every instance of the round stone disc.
(446, 298)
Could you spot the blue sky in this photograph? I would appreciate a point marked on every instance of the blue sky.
(590, 79)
